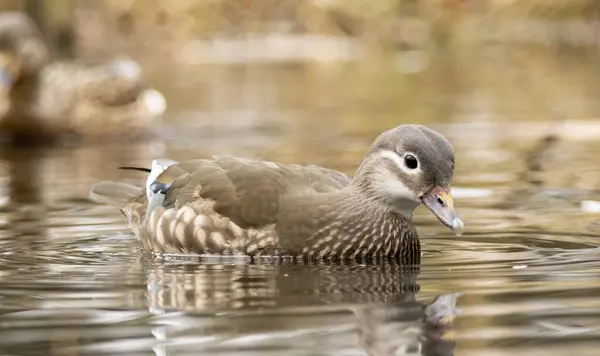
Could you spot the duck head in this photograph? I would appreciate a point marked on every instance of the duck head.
(23, 51)
(412, 165)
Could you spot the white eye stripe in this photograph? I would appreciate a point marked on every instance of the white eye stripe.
(388, 181)
(399, 161)
(392, 156)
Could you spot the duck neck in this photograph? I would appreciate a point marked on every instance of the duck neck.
(384, 190)
(355, 222)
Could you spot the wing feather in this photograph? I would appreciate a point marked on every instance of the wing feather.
(247, 192)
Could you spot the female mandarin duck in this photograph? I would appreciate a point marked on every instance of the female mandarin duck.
(46, 100)
(229, 205)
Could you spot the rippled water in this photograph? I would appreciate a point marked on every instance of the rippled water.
(522, 280)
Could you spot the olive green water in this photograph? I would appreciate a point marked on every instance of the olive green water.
(73, 280)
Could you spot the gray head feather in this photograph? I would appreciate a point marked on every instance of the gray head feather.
(433, 151)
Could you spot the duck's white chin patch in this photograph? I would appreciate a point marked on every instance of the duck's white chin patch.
(399, 190)
(154, 101)
(404, 198)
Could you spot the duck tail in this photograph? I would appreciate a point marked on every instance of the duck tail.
(116, 194)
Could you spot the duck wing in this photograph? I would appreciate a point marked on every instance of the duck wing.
(247, 192)
(220, 205)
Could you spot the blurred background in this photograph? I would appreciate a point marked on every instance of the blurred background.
(514, 84)
(287, 80)
(341, 61)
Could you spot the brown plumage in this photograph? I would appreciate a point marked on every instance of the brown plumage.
(229, 205)
(43, 99)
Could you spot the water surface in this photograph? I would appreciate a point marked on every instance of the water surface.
(73, 280)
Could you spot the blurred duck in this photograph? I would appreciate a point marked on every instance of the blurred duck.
(41, 101)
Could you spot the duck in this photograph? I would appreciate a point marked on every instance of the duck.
(227, 205)
(43, 100)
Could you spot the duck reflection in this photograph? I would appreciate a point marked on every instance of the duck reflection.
(22, 194)
(303, 308)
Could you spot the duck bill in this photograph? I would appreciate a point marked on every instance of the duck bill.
(439, 201)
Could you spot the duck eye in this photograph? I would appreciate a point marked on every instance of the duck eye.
(411, 162)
